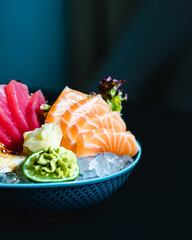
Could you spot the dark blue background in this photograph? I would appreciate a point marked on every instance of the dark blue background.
(49, 44)
(33, 43)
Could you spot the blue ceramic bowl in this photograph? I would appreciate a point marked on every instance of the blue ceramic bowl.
(52, 200)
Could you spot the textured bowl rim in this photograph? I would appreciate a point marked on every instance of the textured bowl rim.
(73, 183)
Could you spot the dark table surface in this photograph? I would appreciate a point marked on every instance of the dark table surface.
(154, 203)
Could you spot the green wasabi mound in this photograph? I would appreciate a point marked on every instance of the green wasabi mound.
(51, 165)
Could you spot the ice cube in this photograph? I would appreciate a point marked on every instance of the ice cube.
(101, 165)
(83, 164)
(126, 161)
(90, 174)
(3, 178)
(114, 168)
(11, 177)
(79, 178)
(21, 176)
(111, 157)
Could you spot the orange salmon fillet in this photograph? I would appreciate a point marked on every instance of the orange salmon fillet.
(66, 99)
(106, 140)
(89, 126)
(84, 107)
(108, 120)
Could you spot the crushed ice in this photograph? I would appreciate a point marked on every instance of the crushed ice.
(9, 177)
(14, 177)
(100, 165)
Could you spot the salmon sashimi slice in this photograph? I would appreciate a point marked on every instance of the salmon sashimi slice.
(6, 119)
(18, 99)
(108, 120)
(87, 106)
(66, 99)
(36, 100)
(106, 140)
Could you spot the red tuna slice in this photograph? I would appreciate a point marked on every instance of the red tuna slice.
(18, 98)
(6, 119)
(33, 108)
(5, 139)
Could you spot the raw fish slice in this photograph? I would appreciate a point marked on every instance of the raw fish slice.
(18, 99)
(87, 106)
(6, 118)
(106, 140)
(5, 139)
(66, 99)
(9, 160)
(108, 120)
(3, 95)
(32, 111)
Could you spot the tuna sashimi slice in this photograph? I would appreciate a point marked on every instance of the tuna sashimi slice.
(106, 140)
(5, 139)
(66, 99)
(18, 98)
(6, 119)
(32, 111)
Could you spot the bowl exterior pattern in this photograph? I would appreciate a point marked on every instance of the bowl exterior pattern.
(55, 201)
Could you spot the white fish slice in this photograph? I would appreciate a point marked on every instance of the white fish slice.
(9, 160)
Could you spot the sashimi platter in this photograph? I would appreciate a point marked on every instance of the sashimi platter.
(65, 155)
(80, 136)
